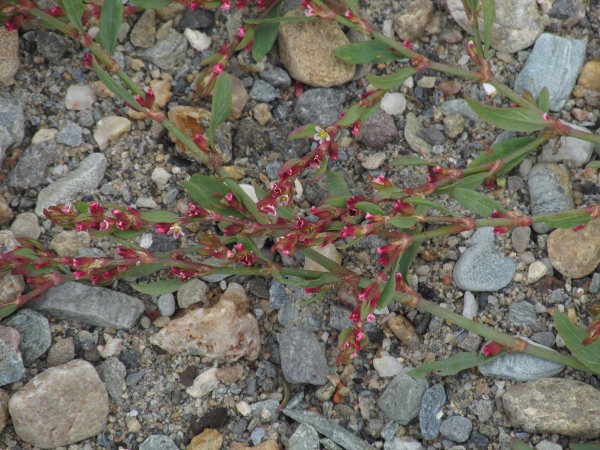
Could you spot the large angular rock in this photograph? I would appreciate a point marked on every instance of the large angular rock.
(32, 168)
(62, 405)
(91, 305)
(401, 400)
(302, 358)
(226, 332)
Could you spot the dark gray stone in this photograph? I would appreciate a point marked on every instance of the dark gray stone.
(158, 442)
(70, 135)
(277, 295)
(112, 372)
(431, 406)
(401, 400)
(459, 106)
(276, 77)
(432, 135)
(11, 361)
(168, 52)
(522, 314)
(562, 9)
(339, 317)
(456, 428)
(263, 92)
(304, 438)
(91, 305)
(550, 192)
(320, 106)
(32, 168)
(134, 377)
(35, 333)
(555, 63)
(52, 45)
(12, 123)
(302, 357)
(250, 135)
(378, 130)
(196, 19)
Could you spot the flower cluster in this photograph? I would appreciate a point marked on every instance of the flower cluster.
(95, 218)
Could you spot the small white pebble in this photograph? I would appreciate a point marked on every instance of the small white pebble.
(244, 409)
(489, 89)
(469, 305)
(393, 103)
(198, 40)
(146, 241)
(79, 97)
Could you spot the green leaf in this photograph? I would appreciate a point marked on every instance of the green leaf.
(489, 14)
(74, 11)
(343, 335)
(160, 287)
(593, 165)
(403, 222)
(472, 5)
(339, 201)
(366, 52)
(501, 150)
(7, 310)
(111, 19)
(160, 216)
(337, 185)
(477, 202)
(304, 131)
(221, 106)
(284, 212)
(470, 182)
(406, 260)
(410, 161)
(210, 185)
(584, 447)
(369, 207)
(511, 119)
(314, 298)
(151, 4)
(388, 291)
(565, 220)
(544, 100)
(265, 35)
(450, 366)
(81, 207)
(280, 20)
(351, 116)
(369, 111)
(422, 201)
(353, 6)
(573, 337)
(127, 234)
(391, 81)
(197, 194)
(142, 270)
(114, 86)
(516, 444)
(390, 193)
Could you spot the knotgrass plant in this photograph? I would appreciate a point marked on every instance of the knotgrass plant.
(396, 214)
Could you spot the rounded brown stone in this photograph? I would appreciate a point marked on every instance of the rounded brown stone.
(9, 54)
(575, 254)
(590, 76)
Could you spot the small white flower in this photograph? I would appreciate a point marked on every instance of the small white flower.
(176, 231)
(321, 135)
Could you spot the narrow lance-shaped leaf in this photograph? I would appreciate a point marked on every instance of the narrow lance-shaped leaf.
(403, 222)
(470, 182)
(366, 52)
(111, 19)
(221, 106)
(151, 4)
(160, 287)
(160, 216)
(391, 81)
(115, 86)
(265, 35)
(489, 14)
(565, 220)
(544, 100)
(451, 366)
(410, 161)
(304, 131)
(429, 204)
(573, 337)
(388, 291)
(371, 208)
(511, 119)
(501, 150)
(477, 202)
(337, 185)
(516, 444)
(74, 11)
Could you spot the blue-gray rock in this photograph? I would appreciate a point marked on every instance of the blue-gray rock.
(555, 63)
(276, 77)
(302, 357)
(339, 317)
(292, 312)
(522, 314)
(401, 400)
(480, 267)
(431, 406)
(378, 130)
(257, 435)
(595, 284)
(70, 135)
(304, 438)
(12, 123)
(158, 442)
(456, 428)
(35, 333)
(168, 52)
(91, 305)
(459, 106)
(550, 192)
(196, 19)
(32, 168)
(266, 405)
(333, 431)
(11, 361)
(134, 377)
(320, 106)
(112, 373)
(52, 45)
(263, 92)
(81, 181)
(166, 305)
(520, 366)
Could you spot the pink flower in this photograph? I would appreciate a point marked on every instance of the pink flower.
(350, 15)
(407, 44)
(162, 228)
(321, 135)
(176, 231)
(491, 349)
(499, 229)
(546, 117)
(356, 128)
(218, 68)
(225, 4)
(241, 32)
(95, 209)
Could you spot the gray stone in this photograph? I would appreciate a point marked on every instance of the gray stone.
(431, 406)
(112, 372)
(411, 128)
(91, 305)
(168, 52)
(595, 284)
(143, 33)
(555, 63)
(166, 305)
(522, 314)
(550, 192)
(302, 357)
(70, 135)
(35, 333)
(158, 442)
(378, 130)
(320, 106)
(76, 184)
(304, 438)
(568, 148)
(52, 45)
(520, 366)
(480, 267)
(432, 135)
(401, 400)
(471, 342)
(545, 338)
(12, 123)
(61, 353)
(459, 106)
(11, 361)
(32, 168)
(26, 225)
(339, 317)
(263, 92)
(456, 428)
(196, 19)
(293, 312)
(276, 77)
(333, 431)
(520, 238)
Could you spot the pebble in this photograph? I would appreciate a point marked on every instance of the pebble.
(401, 400)
(555, 63)
(517, 25)
(302, 357)
(481, 268)
(575, 254)
(536, 271)
(568, 148)
(239, 97)
(204, 383)
(405, 443)
(298, 44)
(197, 18)
(589, 78)
(197, 39)
(143, 33)
(166, 305)
(158, 442)
(91, 305)
(33, 165)
(68, 243)
(276, 77)
(304, 438)
(61, 353)
(11, 286)
(262, 115)
(11, 363)
(411, 21)
(4, 398)
(145, 202)
(79, 97)
(471, 342)
(393, 103)
(411, 130)
(161, 177)
(52, 45)
(459, 106)
(520, 238)
(34, 331)
(386, 366)
(456, 428)
(320, 106)
(60, 406)
(469, 305)
(550, 192)
(263, 92)
(168, 52)
(554, 406)
(70, 135)
(522, 314)
(112, 372)
(194, 291)
(432, 135)
(109, 129)
(9, 55)
(6, 213)
(12, 123)
(405, 331)
(378, 130)
(329, 251)
(449, 87)
(595, 284)
(430, 414)
(225, 332)
(454, 125)
(374, 161)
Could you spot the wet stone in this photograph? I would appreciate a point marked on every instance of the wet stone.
(431, 405)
